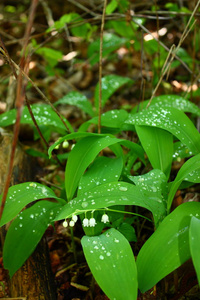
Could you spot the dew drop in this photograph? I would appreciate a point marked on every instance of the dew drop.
(84, 204)
(101, 257)
(123, 188)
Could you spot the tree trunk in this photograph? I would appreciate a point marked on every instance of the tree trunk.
(34, 280)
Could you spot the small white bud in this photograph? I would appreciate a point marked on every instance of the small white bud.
(71, 223)
(105, 218)
(65, 144)
(57, 146)
(92, 222)
(65, 223)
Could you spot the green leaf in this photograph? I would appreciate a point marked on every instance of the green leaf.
(43, 114)
(111, 6)
(166, 101)
(103, 170)
(22, 194)
(128, 231)
(110, 84)
(25, 232)
(77, 99)
(112, 263)
(194, 240)
(186, 172)
(51, 55)
(158, 145)
(81, 157)
(167, 248)
(84, 153)
(181, 151)
(153, 186)
(112, 118)
(172, 120)
(109, 194)
(111, 42)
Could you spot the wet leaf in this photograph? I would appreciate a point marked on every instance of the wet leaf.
(110, 84)
(172, 120)
(111, 260)
(114, 193)
(25, 232)
(77, 99)
(22, 194)
(194, 240)
(167, 248)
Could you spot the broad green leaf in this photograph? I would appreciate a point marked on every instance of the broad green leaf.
(181, 151)
(109, 194)
(77, 99)
(128, 231)
(194, 240)
(43, 114)
(111, 260)
(111, 42)
(112, 118)
(172, 120)
(84, 153)
(186, 172)
(25, 232)
(103, 170)
(110, 84)
(22, 194)
(153, 186)
(158, 145)
(71, 136)
(166, 101)
(81, 157)
(167, 248)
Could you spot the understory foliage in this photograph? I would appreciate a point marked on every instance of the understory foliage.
(105, 189)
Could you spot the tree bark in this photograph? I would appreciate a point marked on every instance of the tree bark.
(34, 280)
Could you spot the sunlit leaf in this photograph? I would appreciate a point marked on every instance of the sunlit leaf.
(25, 232)
(112, 263)
(166, 101)
(172, 120)
(167, 248)
(22, 194)
(194, 240)
(43, 114)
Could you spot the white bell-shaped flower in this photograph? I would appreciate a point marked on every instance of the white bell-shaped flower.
(74, 218)
(85, 222)
(92, 222)
(105, 218)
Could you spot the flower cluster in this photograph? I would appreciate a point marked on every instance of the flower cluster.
(92, 222)
(86, 222)
(72, 222)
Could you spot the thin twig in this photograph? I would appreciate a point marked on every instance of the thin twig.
(100, 65)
